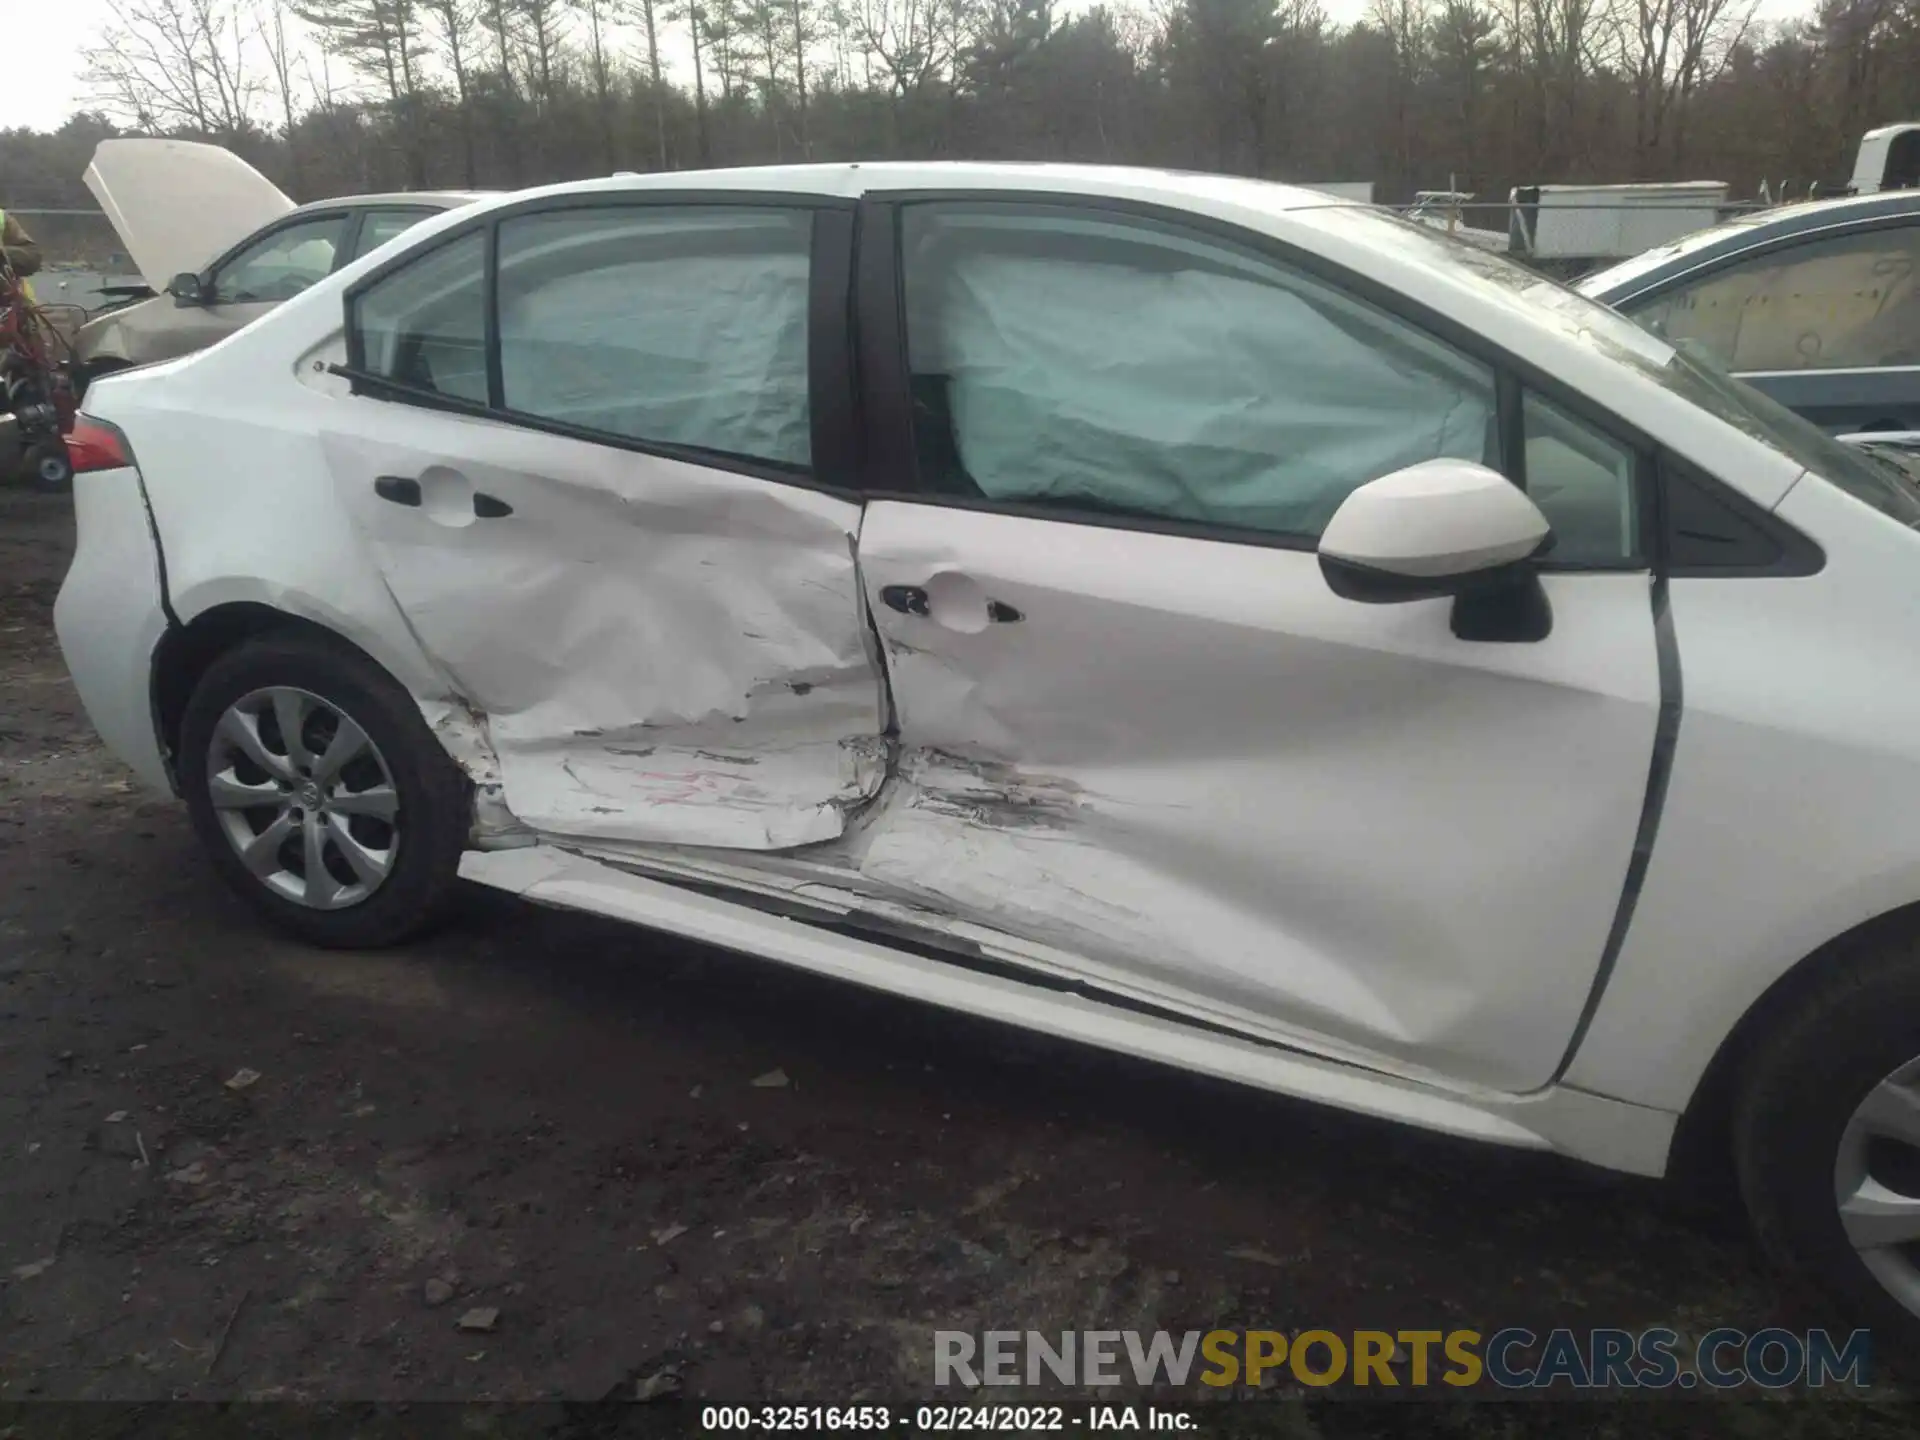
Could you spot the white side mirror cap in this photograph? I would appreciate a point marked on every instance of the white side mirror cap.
(1431, 527)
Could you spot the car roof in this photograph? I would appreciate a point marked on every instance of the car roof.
(1662, 263)
(851, 179)
(1847, 207)
(433, 199)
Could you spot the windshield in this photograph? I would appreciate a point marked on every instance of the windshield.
(1686, 371)
(1880, 483)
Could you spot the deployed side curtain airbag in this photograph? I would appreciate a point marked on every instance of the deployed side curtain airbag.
(685, 328)
(1185, 388)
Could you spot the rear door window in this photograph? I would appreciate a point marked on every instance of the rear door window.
(424, 325)
(680, 326)
(379, 226)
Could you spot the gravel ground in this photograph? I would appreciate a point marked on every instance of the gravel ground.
(557, 1119)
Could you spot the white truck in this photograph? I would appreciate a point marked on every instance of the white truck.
(1888, 159)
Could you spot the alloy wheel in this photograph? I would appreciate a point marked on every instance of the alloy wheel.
(1876, 1183)
(304, 797)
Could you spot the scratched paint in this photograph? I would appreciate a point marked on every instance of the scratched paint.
(653, 650)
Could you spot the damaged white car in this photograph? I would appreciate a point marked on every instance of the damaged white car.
(1184, 614)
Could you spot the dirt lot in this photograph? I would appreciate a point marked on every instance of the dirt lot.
(558, 1119)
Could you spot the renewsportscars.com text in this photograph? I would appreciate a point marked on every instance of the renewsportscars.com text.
(1511, 1358)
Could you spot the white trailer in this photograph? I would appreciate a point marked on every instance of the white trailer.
(1587, 224)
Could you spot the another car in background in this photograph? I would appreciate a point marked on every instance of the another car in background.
(219, 245)
(1816, 304)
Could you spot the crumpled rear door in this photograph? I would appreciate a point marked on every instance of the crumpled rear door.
(660, 651)
(626, 561)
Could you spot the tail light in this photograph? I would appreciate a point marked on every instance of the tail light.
(93, 444)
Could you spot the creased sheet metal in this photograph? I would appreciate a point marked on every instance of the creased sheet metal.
(1193, 766)
(660, 651)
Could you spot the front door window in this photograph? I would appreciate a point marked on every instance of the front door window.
(279, 266)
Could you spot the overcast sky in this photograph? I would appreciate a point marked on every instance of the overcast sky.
(44, 38)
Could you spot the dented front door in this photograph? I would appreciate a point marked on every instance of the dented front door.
(1143, 743)
(1186, 770)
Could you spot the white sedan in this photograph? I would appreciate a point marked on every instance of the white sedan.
(1184, 614)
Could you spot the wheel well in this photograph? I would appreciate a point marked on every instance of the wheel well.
(186, 653)
(87, 371)
(1701, 1152)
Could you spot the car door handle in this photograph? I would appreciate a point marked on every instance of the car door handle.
(914, 600)
(907, 599)
(398, 489)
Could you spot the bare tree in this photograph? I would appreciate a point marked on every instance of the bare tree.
(806, 31)
(1555, 41)
(499, 17)
(1465, 44)
(282, 58)
(720, 25)
(543, 27)
(762, 24)
(378, 38)
(1218, 56)
(914, 40)
(377, 93)
(381, 40)
(695, 14)
(167, 64)
(1405, 24)
(456, 35)
(650, 15)
(600, 72)
(1668, 49)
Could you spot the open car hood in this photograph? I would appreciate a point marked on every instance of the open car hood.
(177, 204)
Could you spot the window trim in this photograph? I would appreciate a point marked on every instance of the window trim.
(881, 318)
(833, 431)
(1800, 554)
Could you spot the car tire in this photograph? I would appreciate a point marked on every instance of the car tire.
(389, 820)
(1821, 1105)
(49, 471)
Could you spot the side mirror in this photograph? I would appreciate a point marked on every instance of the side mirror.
(185, 288)
(1443, 528)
